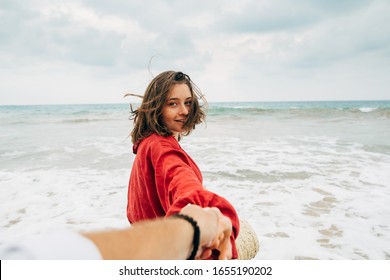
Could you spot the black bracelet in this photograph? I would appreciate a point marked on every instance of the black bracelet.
(195, 242)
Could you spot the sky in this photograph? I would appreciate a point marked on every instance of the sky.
(95, 51)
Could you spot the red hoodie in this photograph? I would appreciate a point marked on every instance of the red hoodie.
(164, 179)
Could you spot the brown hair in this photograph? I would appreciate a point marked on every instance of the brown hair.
(148, 117)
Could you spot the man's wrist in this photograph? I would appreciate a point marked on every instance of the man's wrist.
(196, 239)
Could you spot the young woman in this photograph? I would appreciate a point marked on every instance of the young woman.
(164, 178)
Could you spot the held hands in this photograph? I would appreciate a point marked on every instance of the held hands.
(215, 231)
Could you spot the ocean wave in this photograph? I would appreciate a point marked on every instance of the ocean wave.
(215, 110)
(300, 112)
(83, 120)
(41, 121)
(367, 109)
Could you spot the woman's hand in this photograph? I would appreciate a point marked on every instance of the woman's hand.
(215, 231)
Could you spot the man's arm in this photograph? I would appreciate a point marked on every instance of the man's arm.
(157, 239)
(169, 238)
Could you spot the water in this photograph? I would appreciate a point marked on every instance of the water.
(313, 178)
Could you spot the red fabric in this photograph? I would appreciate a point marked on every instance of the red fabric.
(164, 179)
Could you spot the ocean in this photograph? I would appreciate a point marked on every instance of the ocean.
(312, 178)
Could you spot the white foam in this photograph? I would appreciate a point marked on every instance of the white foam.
(40, 200)
(367, 109)
(305, 196)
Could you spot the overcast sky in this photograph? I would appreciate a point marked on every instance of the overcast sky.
(94, 51)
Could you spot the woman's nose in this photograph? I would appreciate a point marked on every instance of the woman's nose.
(183, 110)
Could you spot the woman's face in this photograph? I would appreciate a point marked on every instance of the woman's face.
(176, 108)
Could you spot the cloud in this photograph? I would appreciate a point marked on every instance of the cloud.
(279, 15)
(73, 32)
(232, 49)
(344, 44)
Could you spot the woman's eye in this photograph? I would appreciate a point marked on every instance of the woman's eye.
(172, 104)
(188, 103)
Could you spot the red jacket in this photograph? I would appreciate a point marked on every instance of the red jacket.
(164, 179)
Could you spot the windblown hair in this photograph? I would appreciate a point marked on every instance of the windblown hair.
(148, 117)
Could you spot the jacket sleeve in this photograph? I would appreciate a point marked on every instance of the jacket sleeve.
(178, 184)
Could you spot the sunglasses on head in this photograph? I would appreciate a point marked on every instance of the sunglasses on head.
(180, 76)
